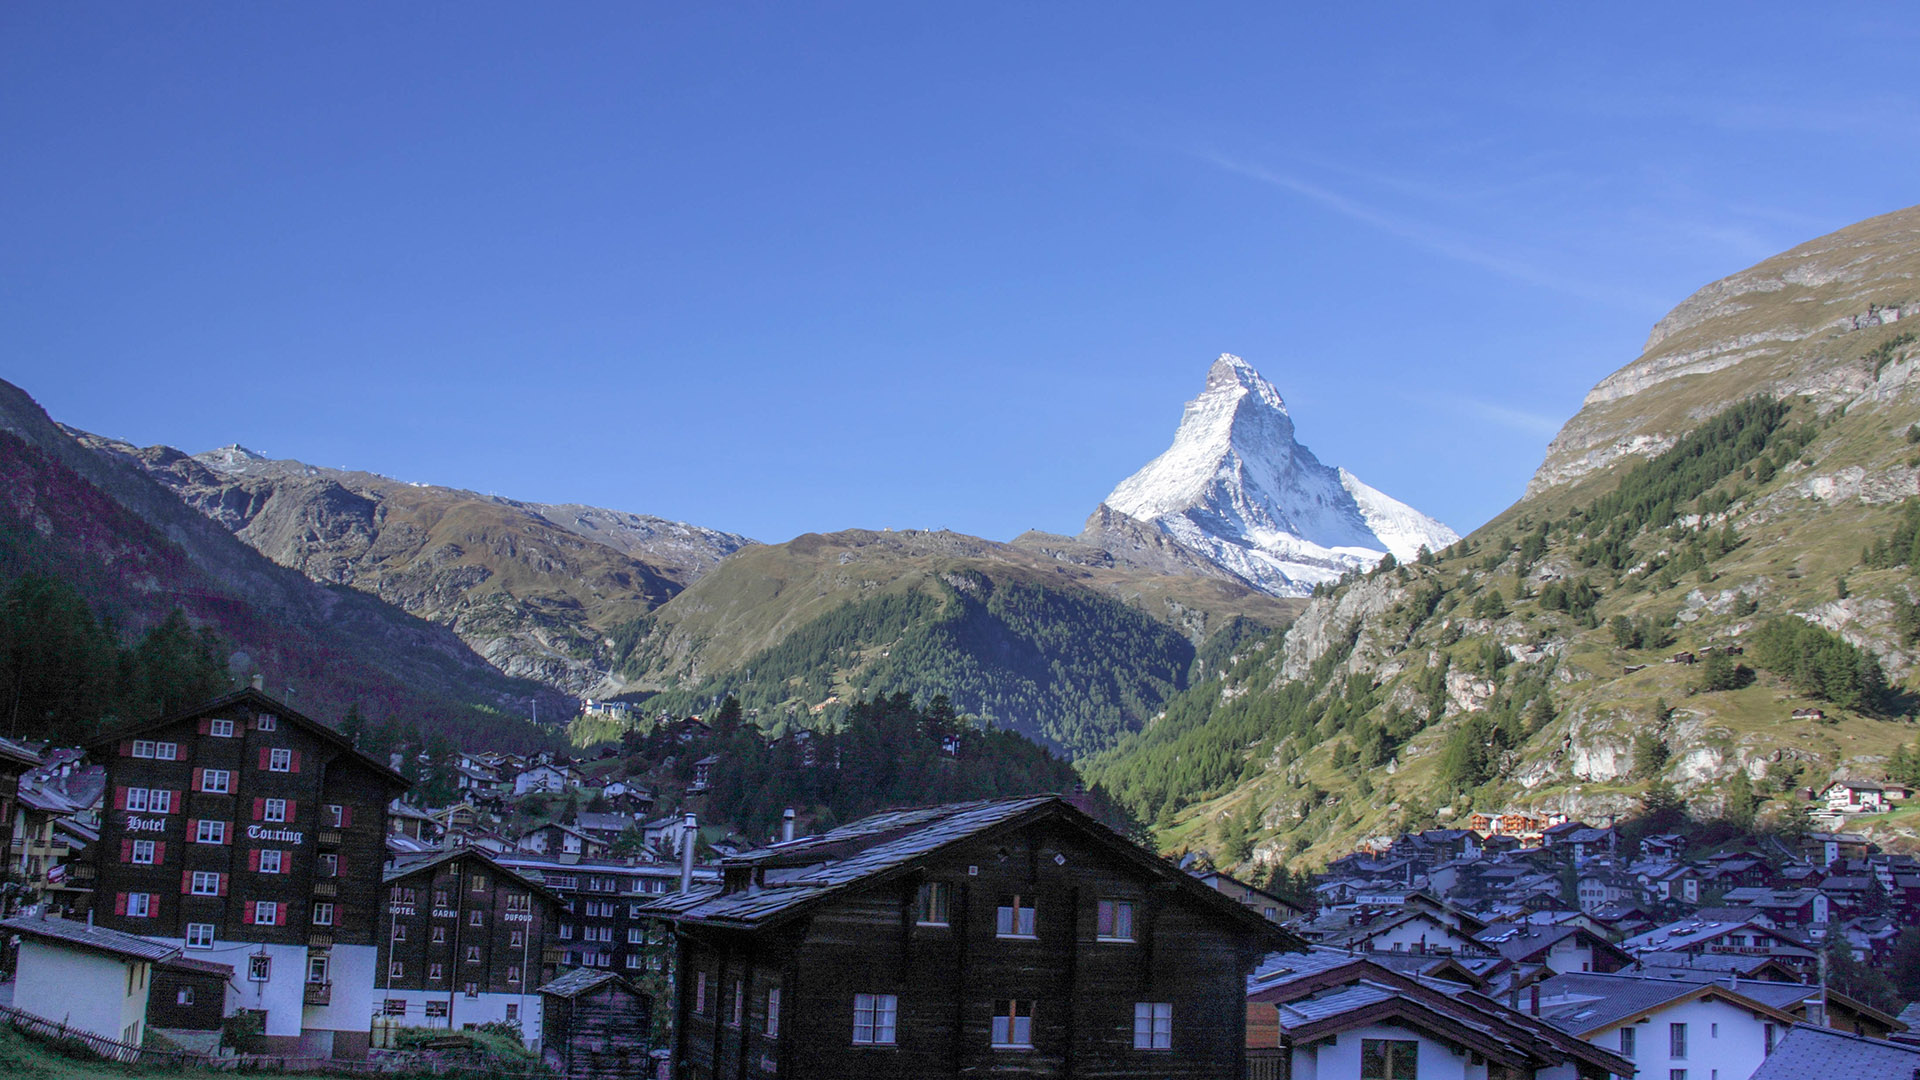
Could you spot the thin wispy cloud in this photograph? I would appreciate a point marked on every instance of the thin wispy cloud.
(1521, 420)
(1433, 239)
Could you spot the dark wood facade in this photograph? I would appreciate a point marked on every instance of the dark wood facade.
(597, 1027)
(238, 764)
(462, 925)
(779, 998)
(188, 995)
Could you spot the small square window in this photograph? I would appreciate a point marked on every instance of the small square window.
(140, 905)
(166, 751)
(322, 914)
(137, 799)
(216, 781)
(221, 728)
(205, 883)
(266, 722)
(935, 903)
(209, 831)
(326, 866)
(439, 935)
(266, 912)
(259, 968)
(1152, 1025)
(270, 861)
(1013, 1025)
(275, 810)
(1015, 917)
(873, 1019)
(279, 760)
(143, 853)
(200, 935)
(1114, 920)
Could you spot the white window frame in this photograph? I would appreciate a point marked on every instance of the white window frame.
(772, 1030)
(220, 729)
(216, 781)
(200, 935)
(875, 1018)
(160, 800)
(259, 968)
(141, 900)
(204, 883)
(143, 852)
(143, 748)
(210, 831)
(1153, 1025)
(271, 860)
(274, 810)
(166, 751)
(279, 759)
(137, 800)
(326, 865)
(266, 722)
(270, 908)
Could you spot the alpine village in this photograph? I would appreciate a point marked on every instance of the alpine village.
(1264, 775)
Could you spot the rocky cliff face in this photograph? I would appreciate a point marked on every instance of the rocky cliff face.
(1239, 490)
(1789, 325)
(530, 587)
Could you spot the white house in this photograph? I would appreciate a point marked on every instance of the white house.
(1861, 797)
(1670, 1029)
(547, 778)
(89, 978)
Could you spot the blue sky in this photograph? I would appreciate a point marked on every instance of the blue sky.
(786, 268)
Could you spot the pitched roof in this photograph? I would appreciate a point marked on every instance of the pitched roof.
(794, 876)
(580, 980)
(93, 938)
(1810, 1052)
(259, 700)
(408, 869)
(1595, 1001)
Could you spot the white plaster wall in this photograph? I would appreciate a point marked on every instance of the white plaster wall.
(1341, 1061)
(80, 989)
(1736, 1051)
(1408, 938)
(350, 1006)
(482, 1009)
(1567, 957)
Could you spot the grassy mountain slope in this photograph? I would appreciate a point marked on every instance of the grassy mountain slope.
(1715, 494)
(1071, 654)
(137, 554)
(532, 588)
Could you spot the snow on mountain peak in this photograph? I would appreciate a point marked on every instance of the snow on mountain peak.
(1239, 488)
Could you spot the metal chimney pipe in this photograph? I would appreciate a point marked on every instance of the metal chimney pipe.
(689, 834)
(786, 826)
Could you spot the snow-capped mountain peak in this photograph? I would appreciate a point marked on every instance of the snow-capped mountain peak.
(1238, 487)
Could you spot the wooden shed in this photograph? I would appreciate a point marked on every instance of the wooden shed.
(596, 1026)
(189, 994)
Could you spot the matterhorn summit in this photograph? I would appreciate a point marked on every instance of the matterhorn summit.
(1236, 487)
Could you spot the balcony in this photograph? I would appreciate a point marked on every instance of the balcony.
(319, 993)
(326, 888)
(552, 955)
(329, 837)
(320, 939)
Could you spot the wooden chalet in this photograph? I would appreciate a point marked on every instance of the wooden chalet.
(1014, 936)
(598, 1026)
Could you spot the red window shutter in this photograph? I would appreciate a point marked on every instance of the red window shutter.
(340, 866)
(346, 817)
(280, 915)
(206, 725)
(263, 758)
(126, 852)
(119, 796)
(159, 852)
(223, 884)
(253, 860)
(226, 835)
(193, 829)
(246, 913)
(186, 882)
(126, 747)
(292, 808)
(119, 903)
(199, 779)
(296, 761)
(176, 802)
(259, 809)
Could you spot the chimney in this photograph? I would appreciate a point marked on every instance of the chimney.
(1533, 999)
(786, 826)
(259, 681)
(689, 836)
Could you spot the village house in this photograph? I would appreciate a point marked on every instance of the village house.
(547, 778)
(250, 835)
(600, 923)
(953, 940)
(89, 978)
(1863, 797)
(1271, 908)
(1666, 1028)
(597, 1027)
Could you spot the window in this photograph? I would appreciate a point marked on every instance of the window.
(1114, 920)
(276, 810)
(143, 748)
(266, 912)
(1676, 1074)
(160, 800)
(399, 931)
(402, 894)
(1389, 1059)
(395, 970)
(436, 972)
(1627, 1041)
(439, 898)
(1766, 1034)
(206, 883)
(259, 968)
(266, 722)
(326, 866)
(476, 918)
(473, 954)
(1677, 1041)
(280, 760)
(513, 1010)
(873, 1016)
(336, 817)
(436, 1009)
(210, 832)
(317, 969)
(1153, 1025)
(395, 1006)
(1013, 1024)
(738, 1011)
(270, 861)
(517, 940)
(773, 1009)
(439, 935)
(1713, 1031)
(143, 853)
(936, 899)
(477, 883)
(700, 994)
(1015, 917)
(216, 781)
(200, 935)
(184, 997)
(322, 913)
(137, 799)
(140, 904)
(166, 751)
(513, 974)
(221, 729)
